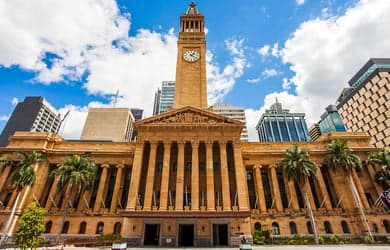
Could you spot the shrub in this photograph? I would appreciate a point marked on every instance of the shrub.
(368, 240)
(321, 240)
(258, 237)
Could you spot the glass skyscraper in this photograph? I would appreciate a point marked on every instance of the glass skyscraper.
(331, 121)
(279, 125)
(164, 98)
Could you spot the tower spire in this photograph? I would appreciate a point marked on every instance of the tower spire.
(192, 9)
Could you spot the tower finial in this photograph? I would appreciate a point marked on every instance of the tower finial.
(192, 9)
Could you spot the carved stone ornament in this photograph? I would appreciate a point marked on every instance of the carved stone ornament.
(189, 117)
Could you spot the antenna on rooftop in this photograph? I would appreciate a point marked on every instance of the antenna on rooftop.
(116, 99)
(63, 122)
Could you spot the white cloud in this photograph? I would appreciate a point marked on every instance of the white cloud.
(275, 50)
(72, 30)
(221, 81)
(286, 85)
(14, 101)
(324, 53)
(264, 51)
(4, 118)
(300, 2)
(267, 73)
(254, 80)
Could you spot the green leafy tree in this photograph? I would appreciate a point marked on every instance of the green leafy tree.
(381, 158)
(31, 226)
(298, 167)
(340, 156)
(23, 177)
(4, 160)
(76, 174)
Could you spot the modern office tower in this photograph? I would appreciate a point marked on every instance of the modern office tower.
(365, 106)
(331, 121)
(34, 114)
(156, 105)
(314, 131)
(137, 113)
(232, 112)
(279, 125)
(108, 124)
(163, 98)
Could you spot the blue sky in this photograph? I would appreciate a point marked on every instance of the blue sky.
(77, 54)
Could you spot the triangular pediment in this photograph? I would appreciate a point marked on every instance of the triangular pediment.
(188, 115)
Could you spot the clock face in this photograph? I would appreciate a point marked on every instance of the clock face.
(191, 55)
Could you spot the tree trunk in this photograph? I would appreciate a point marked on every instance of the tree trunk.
(310, 213)
(359, 204)
(10, 219)
(67, 195)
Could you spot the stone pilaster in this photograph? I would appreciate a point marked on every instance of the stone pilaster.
(371, 171)
(42, 174)
(117, 186)
(241, 183)
(360, 190)
(259, 189)
(52, 194)
(275, 188)
(195, 177)
(210, 176)
(4, 176)
(180, 176)
(100, 192)
(225, 178)
(135, 177)
(150, 177)
(165, 177)
(310, 195)
(324, 192)
(292, 195)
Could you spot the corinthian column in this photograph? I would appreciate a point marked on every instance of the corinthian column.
(150, 177)
(102, 184)
(225, 177)
(260, 189)
(135, 177)
(117, 186)
(241, 184)
(275, 188)
(210, 176)
(195, 177)
(180, 176)
(165, 177)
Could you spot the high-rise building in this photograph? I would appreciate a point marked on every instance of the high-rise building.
(163, 99)
(156, 105)
(34, 114)
(365, 106)
(111, 124)
(314, 131)
(188, 179)
(137, 113)
(232, 112)
(279, 125)
(331, 121)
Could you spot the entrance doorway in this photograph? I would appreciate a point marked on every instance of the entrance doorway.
(220, 235)
(186, 235)
(152, 234)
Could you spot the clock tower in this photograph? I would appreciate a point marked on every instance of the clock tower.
(191, 83)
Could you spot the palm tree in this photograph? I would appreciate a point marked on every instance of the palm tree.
(23, 177)
(382, 159)
(298, 167)
(4, 160)
(76, 174)
(340, 155)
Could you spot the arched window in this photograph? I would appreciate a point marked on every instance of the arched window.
(345, 227)
(376, 229)
(83, 227)
(48, 226)
(99, 228)
(258, 226)
(309, 228)
(117, 228)
(293, 228)
(387, 226)
(65, 228)
(275, 228)
(328, 227)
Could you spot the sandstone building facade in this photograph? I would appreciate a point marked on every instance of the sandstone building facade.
(189, 180)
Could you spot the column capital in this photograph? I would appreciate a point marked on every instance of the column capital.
(208, 142)
(153, 142)
(181, 143)
(105, 165)
(222, 142)
(120, 166)
(273, 165)
(194, 142)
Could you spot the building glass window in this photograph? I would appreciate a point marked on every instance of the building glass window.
(275, 130)
(283, 130)
(275, 228)
(293, 228)
(345, 227)
(292, 129)
(83, 227)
